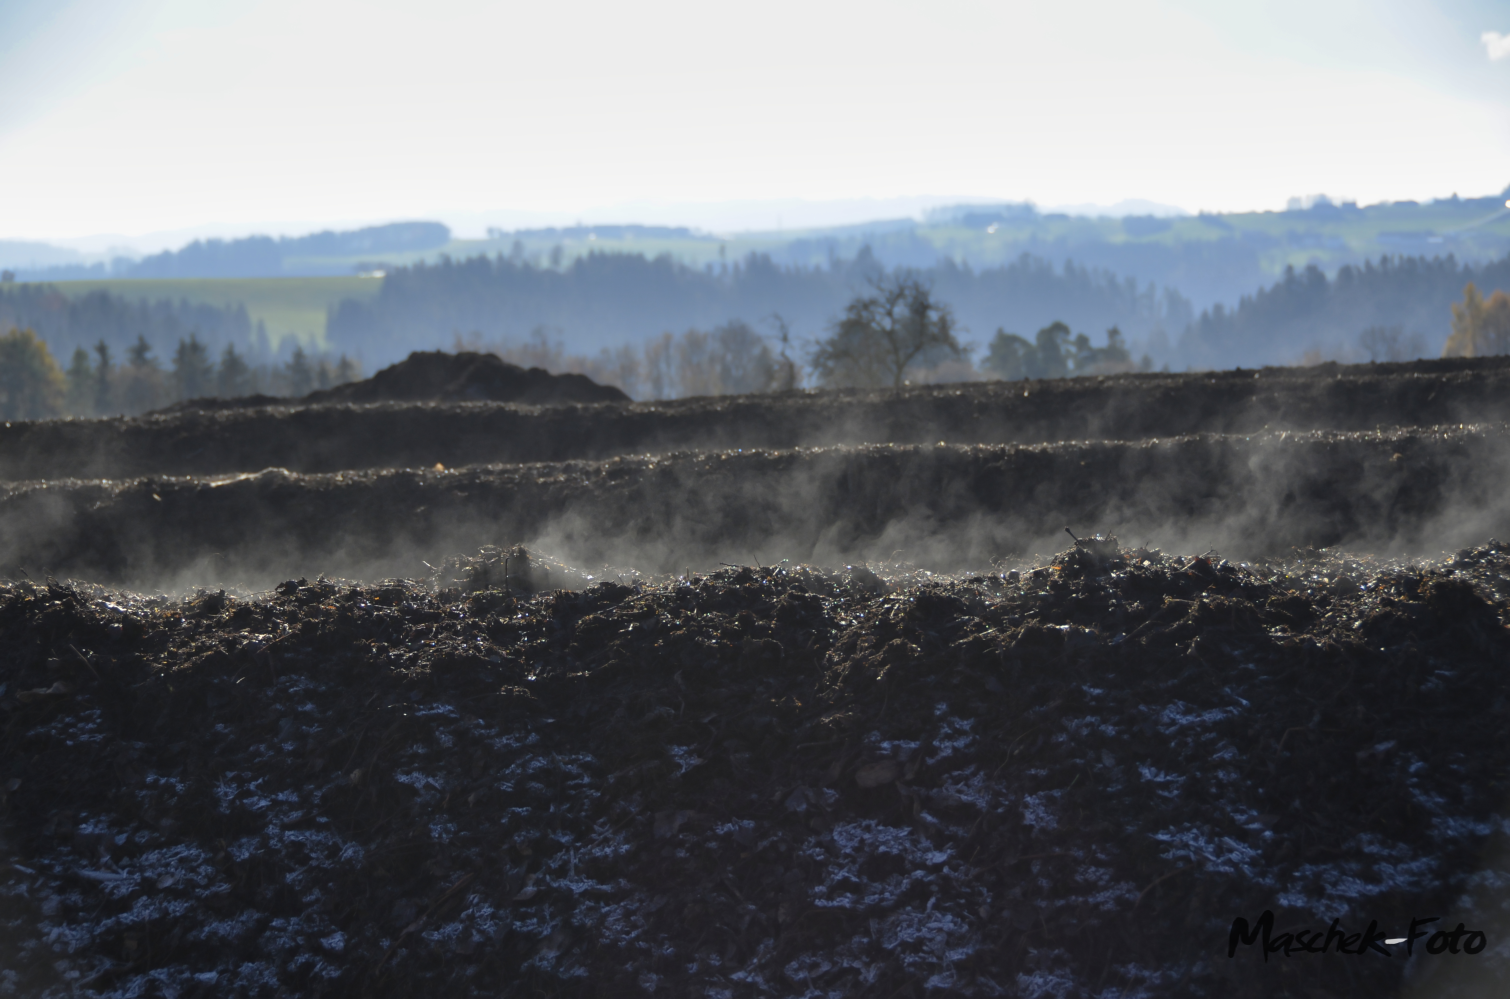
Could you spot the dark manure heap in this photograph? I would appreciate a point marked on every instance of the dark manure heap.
(429, 377)
(467, 376)
(768, 780)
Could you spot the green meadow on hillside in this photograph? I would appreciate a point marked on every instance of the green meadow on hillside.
(285, 306)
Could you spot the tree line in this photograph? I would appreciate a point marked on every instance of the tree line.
(67, 322)
(729, 359)
(897, 332)
(1391, 310)
(98, 382)
(901, 331)
(608, 299)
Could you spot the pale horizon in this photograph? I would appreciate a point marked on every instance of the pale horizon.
(164, 117)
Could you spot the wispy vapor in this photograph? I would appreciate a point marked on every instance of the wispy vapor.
(1497, 44)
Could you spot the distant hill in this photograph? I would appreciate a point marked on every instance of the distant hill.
(315, 255)
(29, 255)
(1209, 258)
(264, 257)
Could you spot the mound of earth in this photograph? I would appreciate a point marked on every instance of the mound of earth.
(427, 377)
(769, 781)
(467, 376)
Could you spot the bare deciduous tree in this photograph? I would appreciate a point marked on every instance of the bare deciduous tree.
(883, 333)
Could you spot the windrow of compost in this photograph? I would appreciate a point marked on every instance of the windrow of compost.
(766, 781)
(938, 506)
(333, 436)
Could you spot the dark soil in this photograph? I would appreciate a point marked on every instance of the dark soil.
(467, 376)
(767, 781)
(435, 376)
(942, 507)
(335, 436)
(502, 774)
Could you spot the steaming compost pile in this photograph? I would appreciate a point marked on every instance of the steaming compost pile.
(942, 505)
(769, 780)
(779, 756)
(332, 436)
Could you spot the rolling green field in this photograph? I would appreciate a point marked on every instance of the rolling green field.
(286, 306)
(1474, 229)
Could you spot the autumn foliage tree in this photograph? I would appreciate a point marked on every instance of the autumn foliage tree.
(1479, 326)
(32, 386)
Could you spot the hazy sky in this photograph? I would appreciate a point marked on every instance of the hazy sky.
(149, 115)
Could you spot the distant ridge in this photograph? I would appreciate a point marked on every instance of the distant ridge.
(329, 252)
(265, 257)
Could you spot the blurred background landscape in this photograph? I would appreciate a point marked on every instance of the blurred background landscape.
(658, 234)
(1317, 281)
